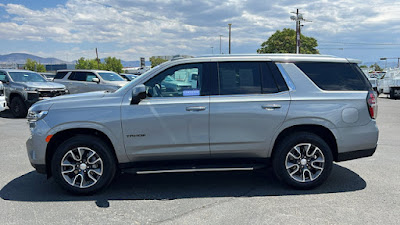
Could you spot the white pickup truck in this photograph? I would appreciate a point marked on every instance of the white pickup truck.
(390, 83)
(2, 98)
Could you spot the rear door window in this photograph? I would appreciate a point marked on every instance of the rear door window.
(80, 76)
(247, 78)
(60, 75)
(335, 76)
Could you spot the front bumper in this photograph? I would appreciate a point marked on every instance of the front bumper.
(3, 103)
(36, 144)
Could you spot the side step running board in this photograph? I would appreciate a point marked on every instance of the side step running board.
(194, 170)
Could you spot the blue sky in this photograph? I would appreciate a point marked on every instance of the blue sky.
(128, 29)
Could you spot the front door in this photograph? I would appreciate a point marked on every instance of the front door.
(172, 122)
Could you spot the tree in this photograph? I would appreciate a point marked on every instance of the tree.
(363, 66)
(32, 65)
(110, 63)
(285, 42)
(156, 61)
(376, 67)
(113, 64)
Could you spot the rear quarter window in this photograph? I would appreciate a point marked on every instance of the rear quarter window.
(60, 75)
(335, 76)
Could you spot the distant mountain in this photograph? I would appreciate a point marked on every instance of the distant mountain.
(21, 58)
(133, 63)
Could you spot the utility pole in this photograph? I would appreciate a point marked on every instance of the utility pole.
(212, 50)
(98, 60)
(220, 36)
(298, 18)
(230, 31)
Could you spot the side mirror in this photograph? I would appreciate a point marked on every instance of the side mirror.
(138, 93)
(95, 79)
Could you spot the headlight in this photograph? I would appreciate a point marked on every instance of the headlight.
(34, 116)
(30, 89)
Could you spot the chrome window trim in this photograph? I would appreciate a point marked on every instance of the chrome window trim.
(286, 77)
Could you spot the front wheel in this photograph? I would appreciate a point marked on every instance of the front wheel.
(83, 165)
(303, 160)
(18, 107)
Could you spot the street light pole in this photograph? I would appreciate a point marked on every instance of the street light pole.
(220, 36)
(298, 18)
(230, 27)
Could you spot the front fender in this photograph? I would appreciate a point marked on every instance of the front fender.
(117, 142)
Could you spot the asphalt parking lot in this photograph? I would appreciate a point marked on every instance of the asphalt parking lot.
(363, 191)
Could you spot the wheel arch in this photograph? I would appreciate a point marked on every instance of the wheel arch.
(63, 135)
(13, 95)
(323, 132)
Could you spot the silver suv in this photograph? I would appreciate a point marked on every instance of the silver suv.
(22, 88)
(79, 81)
(298, 113)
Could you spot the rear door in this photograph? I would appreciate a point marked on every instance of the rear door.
(251, 103)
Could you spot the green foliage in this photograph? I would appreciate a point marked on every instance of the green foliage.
(32, 65)
(110, 63)
(363, 66)
(376, 67)
(113, 64)
(285, 42)
(156, 61)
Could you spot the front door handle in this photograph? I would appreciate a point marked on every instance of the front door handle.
(195, 108)
(271, 107)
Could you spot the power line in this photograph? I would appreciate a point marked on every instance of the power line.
(358, 43)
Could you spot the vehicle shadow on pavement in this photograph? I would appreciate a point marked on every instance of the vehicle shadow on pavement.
(34, 187)
(7, 114)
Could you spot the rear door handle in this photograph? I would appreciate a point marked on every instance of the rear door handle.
(271, 107)
(195, 108)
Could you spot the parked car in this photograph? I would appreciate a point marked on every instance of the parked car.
(22, 88)
(128, 77)
(297, 113)
(372, 78)
(3, 103)
(79, 81)
(390, 83)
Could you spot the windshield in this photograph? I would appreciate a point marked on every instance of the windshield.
(26, 77)
(111, 77)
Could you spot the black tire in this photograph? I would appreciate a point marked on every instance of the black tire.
(18, 107)
(391, 93)
(287, 145)
(103, 151)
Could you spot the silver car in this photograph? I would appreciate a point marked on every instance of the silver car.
(296, 113)
(79, 81)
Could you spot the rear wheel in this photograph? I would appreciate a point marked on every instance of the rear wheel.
(83, 165)
(302, 160)
(391, 93)
(18, 107)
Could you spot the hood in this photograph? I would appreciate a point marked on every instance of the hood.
(74, 98)
(117, 83)
(44, 85)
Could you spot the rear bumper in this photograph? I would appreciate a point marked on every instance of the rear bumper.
(355, 154)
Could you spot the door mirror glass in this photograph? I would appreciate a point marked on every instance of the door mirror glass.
(95, 79)
(138, 93)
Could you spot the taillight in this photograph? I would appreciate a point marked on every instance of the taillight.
(372, 104)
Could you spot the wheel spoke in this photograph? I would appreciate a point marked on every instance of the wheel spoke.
(305, 162)
(76, 173)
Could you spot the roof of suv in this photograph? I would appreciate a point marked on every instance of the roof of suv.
(275, 57)
(84, 70)
(17, 70)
